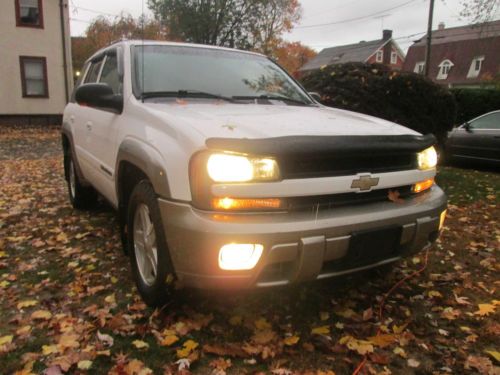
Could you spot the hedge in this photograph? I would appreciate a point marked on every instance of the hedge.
(472, 103)
(405, 98)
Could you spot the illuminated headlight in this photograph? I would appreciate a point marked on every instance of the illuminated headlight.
(238, 168)
(427, 159)
(234, 257)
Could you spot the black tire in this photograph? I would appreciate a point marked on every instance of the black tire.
(81, 197)
(159, 290)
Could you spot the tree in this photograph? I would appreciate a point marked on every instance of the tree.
(246, 24)
(102, 32)
(478, 11)
(292, 55)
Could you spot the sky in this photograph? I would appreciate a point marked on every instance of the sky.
(324, 23)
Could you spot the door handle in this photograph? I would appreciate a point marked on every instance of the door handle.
(89, 126)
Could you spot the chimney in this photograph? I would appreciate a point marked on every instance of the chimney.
(441, 26)
(386, 34)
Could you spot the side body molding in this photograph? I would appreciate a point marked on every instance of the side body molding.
(148, 160)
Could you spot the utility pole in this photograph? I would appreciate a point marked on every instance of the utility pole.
(429, 39)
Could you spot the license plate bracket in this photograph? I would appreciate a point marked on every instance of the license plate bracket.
(370, 246)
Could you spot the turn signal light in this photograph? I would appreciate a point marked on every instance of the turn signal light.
(245, 204)
(423, 185)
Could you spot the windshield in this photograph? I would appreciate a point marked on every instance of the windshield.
(228, 74)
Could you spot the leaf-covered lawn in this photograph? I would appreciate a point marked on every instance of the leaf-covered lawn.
(67, 302)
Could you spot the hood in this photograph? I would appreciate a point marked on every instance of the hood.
(228, 120)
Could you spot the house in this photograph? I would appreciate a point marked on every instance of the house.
(35, 70)
(383, 51)
(461, 57)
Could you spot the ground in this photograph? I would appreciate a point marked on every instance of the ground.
(68, 304)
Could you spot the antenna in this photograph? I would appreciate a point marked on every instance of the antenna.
(381, 18)
(142, 54)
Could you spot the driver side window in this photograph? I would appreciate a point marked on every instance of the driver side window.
(491, 121)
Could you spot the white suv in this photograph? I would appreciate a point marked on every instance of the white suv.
(227, 174)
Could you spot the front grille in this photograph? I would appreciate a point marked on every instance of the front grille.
(310, 166)
(324, 202)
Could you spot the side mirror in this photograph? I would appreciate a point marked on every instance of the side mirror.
(315, 96)
(467, 127)
(99, 95)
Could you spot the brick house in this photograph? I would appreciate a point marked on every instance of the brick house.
(461, 57)
(382, 51)
(35, 71)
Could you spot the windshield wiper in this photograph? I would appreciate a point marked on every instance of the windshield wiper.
(184, 94)
(271, 97)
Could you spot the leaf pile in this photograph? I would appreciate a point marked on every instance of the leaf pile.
(68, 305)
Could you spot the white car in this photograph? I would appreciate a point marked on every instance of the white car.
(226, 174)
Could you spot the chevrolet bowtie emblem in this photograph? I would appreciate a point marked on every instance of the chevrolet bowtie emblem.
(365, 183)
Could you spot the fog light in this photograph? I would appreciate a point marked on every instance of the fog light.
(234, 256)
(442, 217)
(423, 185)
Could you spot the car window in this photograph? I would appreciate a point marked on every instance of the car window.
(110, 74)
(490, 121)
(93, 71)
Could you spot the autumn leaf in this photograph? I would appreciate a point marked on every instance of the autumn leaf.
(84, 365)
(494, 354)
(139, 344)
(28, 303)
(263, 337)
(382, 340)
(68, 341)
(324, 315)
(262, 324)
(169, 340)
(49, 349)
(6, 340)
(236, 320)
(485, 309)
(41, 315)
(291, 340)
(107, 339)
(323, 330)
(187, 348)
(360, 346)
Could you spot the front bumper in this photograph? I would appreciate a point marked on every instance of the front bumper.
(297, 246)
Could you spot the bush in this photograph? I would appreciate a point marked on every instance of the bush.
(475, 102)
(405, 98)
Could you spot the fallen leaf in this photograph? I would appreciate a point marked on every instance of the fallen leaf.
(105, 338)
(262, 324)
(291, 340)
(324, 315)
(139, 344)
(169, 340)
(28, 303)
(360, 346)
(41, 315)
(323, 330)
(485, 309)
(382, 340)
(494, 354)
(84, 365)
(6, 340)
(263, 337)
(413, 363)
(187, 348)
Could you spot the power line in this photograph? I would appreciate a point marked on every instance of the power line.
(356, 18)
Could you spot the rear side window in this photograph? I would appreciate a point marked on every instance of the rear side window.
(93, 71)
(110, 74)
(491, 121)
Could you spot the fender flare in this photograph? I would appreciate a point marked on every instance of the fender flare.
(148, 160)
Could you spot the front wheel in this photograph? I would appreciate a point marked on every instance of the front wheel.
(147, 246)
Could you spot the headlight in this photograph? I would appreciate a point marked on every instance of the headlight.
(427, 159)
(238, 168)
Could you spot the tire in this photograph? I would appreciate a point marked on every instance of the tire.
(149, 255)
(81, 197)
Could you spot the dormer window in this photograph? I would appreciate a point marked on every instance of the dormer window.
(419, 67)
(475, 67)
(394, 57)
(379, 57)
(444, 69)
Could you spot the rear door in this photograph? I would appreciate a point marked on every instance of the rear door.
(480, 140)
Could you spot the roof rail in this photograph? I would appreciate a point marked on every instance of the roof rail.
(122, 39)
